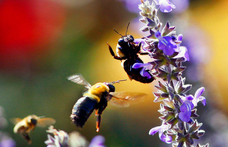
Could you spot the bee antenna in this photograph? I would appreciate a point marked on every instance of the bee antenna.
(118, 33)
(127, 28)
(119, 81)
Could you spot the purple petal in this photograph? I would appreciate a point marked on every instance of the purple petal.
(197, 95)
(199, 92)
(185, 109)
(185, 116)
(166, 6)
(203, 100)
(167, 45)
(186, 106)
(148, 66)
(186, 55)
(183, 53)
(157, 35)
(138, 65)
(137, 41)
(189, 97)
(97, 141)
(166, 138)
(180, 37)
(145, 73)
(154, 130)
(168, 51)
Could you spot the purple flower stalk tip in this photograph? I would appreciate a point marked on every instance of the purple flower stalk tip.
(165, 5)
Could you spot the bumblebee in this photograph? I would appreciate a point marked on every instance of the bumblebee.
(26, 125)
(127, 50)
(97, 98)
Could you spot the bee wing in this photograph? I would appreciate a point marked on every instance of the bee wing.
(79, 80)
(44, 122)
(15, 120)
(123, 99)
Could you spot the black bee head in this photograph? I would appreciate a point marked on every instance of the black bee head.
(33, 121)
(125, 40)
(111, 88)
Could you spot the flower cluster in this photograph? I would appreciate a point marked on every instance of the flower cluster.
(74, 139)
(179, 109)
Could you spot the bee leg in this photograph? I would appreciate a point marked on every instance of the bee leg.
(98, 112)
(98, 122)
(26, 137)
(112, 53)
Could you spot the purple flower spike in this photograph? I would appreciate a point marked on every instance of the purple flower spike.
(165, 5)
(163, 45)
(166, 44)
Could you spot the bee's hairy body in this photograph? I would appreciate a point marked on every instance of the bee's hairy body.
(94, 98)
(127, 50)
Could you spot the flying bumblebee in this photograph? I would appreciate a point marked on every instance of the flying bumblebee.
(26, 125)
(127, 50)
(97, 98)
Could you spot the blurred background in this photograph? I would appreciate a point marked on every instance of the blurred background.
(42, 42)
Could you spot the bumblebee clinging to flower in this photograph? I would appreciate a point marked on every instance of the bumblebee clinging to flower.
(128, 50)
(26, 125)
(96, 98)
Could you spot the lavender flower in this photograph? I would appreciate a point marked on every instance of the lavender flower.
(6, 141)
(97, 141)
(60, 138)
(179, 118)
(75, 139)
(162, 129)
(189, 102)
(166, 44)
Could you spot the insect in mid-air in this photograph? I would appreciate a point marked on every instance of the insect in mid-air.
(127, 50)
(96, 98)
(26, 125)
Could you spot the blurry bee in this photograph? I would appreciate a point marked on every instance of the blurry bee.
(127, 50)
(26, 125)
(96, 98)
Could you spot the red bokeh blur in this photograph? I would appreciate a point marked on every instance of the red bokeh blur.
(27, 27)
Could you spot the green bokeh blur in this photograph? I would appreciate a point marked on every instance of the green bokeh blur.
(61, 41)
